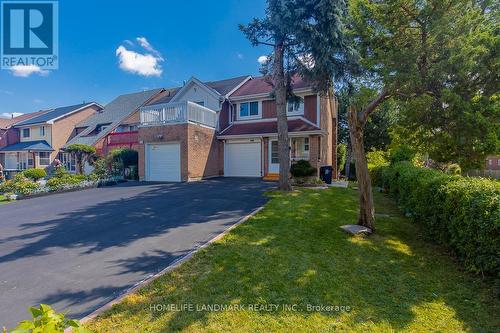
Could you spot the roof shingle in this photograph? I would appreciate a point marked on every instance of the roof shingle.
(268, 127)
(40, 145)
(260, 85)
(53, 114)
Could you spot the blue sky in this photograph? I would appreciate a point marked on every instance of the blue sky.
(184, 38)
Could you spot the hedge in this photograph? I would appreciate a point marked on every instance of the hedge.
(460, 212)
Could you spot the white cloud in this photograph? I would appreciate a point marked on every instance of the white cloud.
(6, 92)
(9, 115)
(148, 47)
(145, 64)
(27, 70)
(263, 59)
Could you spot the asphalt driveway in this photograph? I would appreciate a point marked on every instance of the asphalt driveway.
(77, 251)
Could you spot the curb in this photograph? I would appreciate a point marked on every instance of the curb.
(166, 270)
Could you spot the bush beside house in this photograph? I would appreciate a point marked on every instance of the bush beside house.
(460, 212)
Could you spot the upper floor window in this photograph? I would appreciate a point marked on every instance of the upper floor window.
(26, 132)
(249, 109)
(295, 107)
(490, 162)
(42, 130)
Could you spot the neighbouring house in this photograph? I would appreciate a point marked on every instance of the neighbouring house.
(115, 126)
(229, 128)
(492, 163)
(36, 141)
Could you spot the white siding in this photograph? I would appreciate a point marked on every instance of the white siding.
(196, 94)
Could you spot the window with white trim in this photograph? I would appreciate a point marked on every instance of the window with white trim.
(26, 132)
(249, 109)
(300, 149)
(498, 162)
(44, 158)
(42, 130)
(295, 107)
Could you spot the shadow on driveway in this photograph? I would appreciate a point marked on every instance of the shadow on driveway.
(79, 250)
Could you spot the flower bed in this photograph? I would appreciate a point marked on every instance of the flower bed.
(22, 188)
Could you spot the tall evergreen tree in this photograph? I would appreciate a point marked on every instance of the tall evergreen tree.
(276, 30)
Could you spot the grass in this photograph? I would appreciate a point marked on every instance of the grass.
(293, 252)
(3, 200)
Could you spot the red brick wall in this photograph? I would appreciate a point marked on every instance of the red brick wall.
(314, 151)
(203, 153)
(494, 163)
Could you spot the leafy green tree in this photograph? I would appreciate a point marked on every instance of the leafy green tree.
(436, 59)
(83, 153)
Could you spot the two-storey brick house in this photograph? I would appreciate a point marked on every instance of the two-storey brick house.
(37, 141)
(201, 131)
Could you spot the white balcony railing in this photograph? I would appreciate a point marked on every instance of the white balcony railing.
(177, 113)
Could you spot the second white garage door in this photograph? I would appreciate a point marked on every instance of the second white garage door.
(163, 162)
(242, 159)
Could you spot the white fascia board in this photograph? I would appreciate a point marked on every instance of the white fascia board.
(290, 134)
(74, 111)
(198, 83)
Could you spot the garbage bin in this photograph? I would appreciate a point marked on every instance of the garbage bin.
(326, 173)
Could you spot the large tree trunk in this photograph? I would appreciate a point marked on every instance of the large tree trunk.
(283, 142)
(356, 132)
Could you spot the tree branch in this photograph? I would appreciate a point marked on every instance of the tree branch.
(365, 113)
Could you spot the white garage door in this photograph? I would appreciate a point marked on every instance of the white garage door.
(163, 162)
(242, 159)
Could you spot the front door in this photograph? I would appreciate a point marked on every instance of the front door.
(274, 162)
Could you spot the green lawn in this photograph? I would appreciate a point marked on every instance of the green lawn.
(294, 253)
(3, 200)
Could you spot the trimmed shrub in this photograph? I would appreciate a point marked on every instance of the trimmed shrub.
(19, 186)
(401, 154)
(35, 174)
(453, 169)
(302, 169)
(460, 212)
(59, 183)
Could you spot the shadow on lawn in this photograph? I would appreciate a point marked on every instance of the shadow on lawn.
(293, 254)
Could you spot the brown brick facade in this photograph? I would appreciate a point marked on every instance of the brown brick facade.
(200, 149)
(64, 129)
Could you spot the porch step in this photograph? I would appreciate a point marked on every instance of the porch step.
(271, 177)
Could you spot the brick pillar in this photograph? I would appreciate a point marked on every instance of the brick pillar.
(314, 151)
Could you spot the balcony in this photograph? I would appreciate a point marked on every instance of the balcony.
(178, 113)
(123, 138)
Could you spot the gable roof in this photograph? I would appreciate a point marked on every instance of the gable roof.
(7, 123)
(224, 87)
(54, 114)
(260, 85)
(219, 88)
(268, 127)
(40, 145)
(113, 113)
